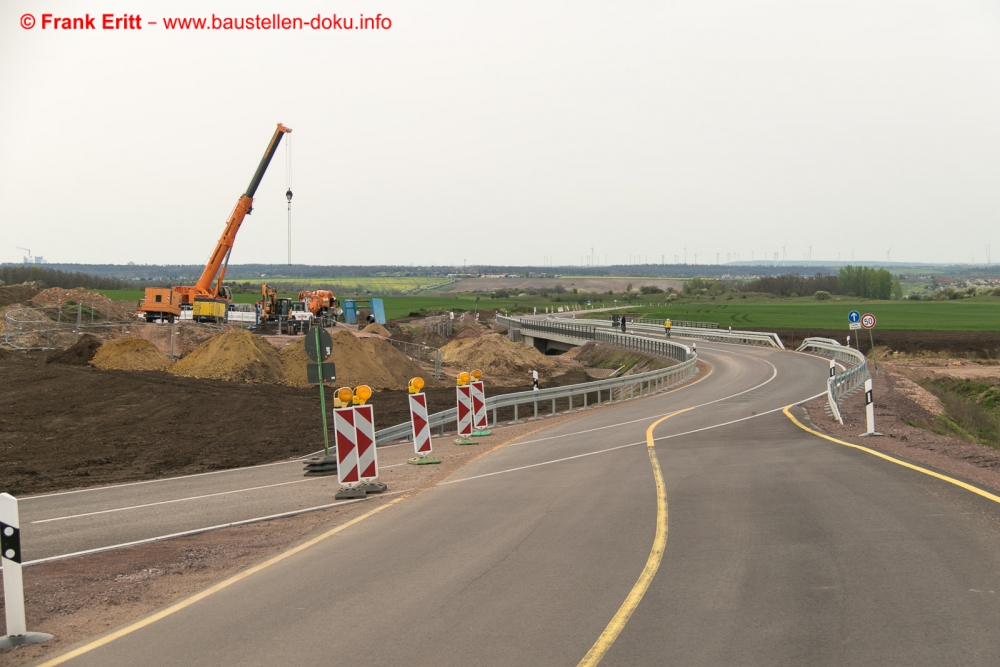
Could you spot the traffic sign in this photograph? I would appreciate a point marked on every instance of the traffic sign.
(868, 320)
(329, 373)
(853, 316)
(855, 325)
(325, 343)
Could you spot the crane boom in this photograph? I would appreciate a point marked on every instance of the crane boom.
(243, 207)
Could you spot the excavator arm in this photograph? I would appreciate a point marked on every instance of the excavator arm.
(243, 207)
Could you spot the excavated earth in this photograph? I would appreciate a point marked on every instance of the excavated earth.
(66, 425)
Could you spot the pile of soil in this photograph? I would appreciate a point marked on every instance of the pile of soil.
(11, 294)
(471, 331)
(377, 329)
(105, 307)
(495, 354)
(130, 354)
(80, 353)
(187, 336)
(235, 356)
(370, 361)
(421, 335)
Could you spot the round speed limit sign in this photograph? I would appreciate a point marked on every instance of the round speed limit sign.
(868, 320)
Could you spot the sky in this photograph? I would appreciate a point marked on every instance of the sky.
(507, 132)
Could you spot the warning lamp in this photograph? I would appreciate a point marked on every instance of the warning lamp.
(344, 395)
(362, 393)
(477, 374)
(463, 379)
(415, 385)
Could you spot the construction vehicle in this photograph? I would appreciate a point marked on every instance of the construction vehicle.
(208, 297)
(321, 303)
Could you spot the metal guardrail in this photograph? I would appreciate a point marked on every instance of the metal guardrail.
(719, 335)
(637, 385)
(841, 384)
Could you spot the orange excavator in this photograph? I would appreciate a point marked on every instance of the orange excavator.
(208, 298)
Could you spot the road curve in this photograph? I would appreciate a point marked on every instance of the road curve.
(782, 548)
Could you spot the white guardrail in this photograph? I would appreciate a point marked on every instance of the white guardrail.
(615, 389)
(841, 384)
(717, 335)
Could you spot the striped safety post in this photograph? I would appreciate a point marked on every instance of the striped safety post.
(464, 396)
(364, 423)
(420, 424)
(346, 436)
(478, 395)
(869, 409)
(13, 583)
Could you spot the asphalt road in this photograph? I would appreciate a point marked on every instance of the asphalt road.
(783, 549)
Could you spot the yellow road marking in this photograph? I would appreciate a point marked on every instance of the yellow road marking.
(187, 602)
(617, 624)
(950, 480)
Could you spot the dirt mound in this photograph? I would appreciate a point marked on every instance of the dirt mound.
(11, 294)
(187, 336)
(104, 308)
(235, 356)
(495, 354)
(130, 354)
(80, 353)
(370, 361)
(378, 329)
(471, 331)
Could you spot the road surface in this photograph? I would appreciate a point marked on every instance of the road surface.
(782, 548)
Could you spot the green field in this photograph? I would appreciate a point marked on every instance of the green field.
(980, 314)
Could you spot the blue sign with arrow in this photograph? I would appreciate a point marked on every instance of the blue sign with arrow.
(854, 316)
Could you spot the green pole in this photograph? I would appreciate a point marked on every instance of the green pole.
(872, 341)
(322, 395)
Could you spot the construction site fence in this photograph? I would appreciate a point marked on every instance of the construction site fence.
(49, 327)
(419, 352)
(846, 382)
(710, 334)
(608, 391)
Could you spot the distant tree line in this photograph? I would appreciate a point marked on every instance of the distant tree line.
(44, 278)
(860, 281)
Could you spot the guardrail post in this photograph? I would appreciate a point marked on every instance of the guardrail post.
(570, 397)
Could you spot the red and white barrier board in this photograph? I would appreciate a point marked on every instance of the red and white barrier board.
(364, 423)
(345, 434)
(421, 428)
(464, 410)
(479, 420)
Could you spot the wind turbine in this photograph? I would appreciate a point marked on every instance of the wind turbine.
(888, 257)
(783, 253)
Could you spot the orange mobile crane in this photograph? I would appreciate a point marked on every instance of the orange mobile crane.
(208, 301)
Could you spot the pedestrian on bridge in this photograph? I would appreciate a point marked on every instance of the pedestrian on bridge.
(623, 324)
(666, 328)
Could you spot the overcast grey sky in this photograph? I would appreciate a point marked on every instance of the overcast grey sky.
(508, 132)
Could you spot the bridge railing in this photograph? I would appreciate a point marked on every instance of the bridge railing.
(842, 384)
(719, 335)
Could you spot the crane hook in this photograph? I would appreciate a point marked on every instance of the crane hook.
(288, 195)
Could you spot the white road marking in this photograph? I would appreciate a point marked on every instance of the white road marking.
(176, 500)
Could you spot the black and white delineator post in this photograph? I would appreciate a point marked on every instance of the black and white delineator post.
(534, 380)
(869, 409)
(13, 584)
(833, 368)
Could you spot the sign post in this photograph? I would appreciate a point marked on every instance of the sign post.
(422, 445)
(13, 584)
(854, 317)
(319, 346)
(868, 322)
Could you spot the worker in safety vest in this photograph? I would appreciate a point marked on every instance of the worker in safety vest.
(666, 328)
